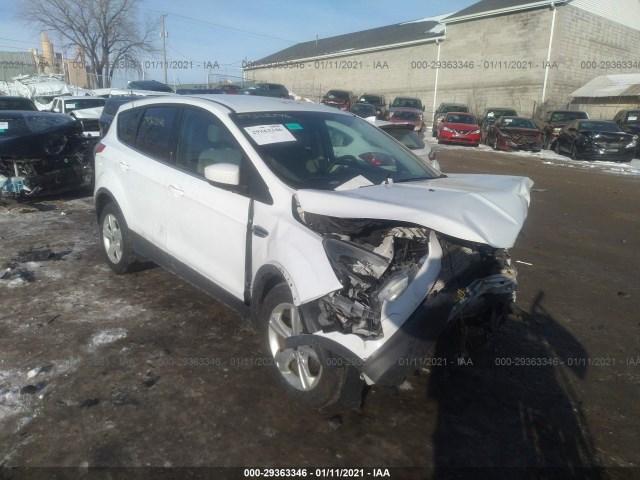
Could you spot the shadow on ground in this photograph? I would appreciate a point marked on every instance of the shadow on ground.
(513, 414)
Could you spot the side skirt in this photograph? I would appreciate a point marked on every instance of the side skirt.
(144, 248)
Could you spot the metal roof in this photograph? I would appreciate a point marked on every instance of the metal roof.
(617, 85)
(486, 8)
(390, 36)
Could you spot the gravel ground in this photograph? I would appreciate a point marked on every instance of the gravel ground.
(143, 370)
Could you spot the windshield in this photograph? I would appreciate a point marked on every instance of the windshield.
(372, 99)
(493, 114)
(360, 109)
(633, 117)
(508, 122)
(567, 116)
(454, 108)
(17, 104)
(599, 126)
(323, 150)
(337, 94)
(409, 138)
(80, 103)
(12, 126)
(401, 115)
(407, 103)
(459, 118)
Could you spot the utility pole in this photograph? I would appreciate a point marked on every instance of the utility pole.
(164, 47)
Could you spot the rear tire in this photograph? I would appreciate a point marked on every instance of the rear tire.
(116, 242)
(307, 372)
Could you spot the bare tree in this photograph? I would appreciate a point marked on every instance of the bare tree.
(108, 30)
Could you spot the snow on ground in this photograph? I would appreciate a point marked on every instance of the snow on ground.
(549, 157)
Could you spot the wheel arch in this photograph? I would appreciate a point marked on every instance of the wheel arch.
(102, 198)
(267, 277)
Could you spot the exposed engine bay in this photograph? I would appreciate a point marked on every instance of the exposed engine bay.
(376, 260)
(42, 153)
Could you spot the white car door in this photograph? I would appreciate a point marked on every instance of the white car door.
(145, 169)
(207, 224)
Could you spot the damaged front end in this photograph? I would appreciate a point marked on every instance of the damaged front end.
(42, 153)
(376, 262)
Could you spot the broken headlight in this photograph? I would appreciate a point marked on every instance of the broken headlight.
(354, 262)
(397, 283)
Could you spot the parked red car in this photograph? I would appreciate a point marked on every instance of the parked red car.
(459, 127)
(406, 115)
(515, 133)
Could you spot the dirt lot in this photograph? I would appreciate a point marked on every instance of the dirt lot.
(99, 370)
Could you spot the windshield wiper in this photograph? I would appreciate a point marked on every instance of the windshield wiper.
(413, 179)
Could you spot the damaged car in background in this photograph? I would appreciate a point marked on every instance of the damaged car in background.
(42, 153)
(349, 267)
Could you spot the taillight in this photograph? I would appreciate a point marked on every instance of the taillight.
(100, 147)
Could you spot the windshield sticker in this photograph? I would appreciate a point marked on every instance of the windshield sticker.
(71, 105)
(4, 125)
(507, 120)
(266, 134)
(631, 118)
(355, 182)
(490, 114)
(293, 126)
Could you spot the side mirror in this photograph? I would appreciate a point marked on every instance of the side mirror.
(225, 173)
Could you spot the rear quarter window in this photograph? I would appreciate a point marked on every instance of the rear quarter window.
(128, 125)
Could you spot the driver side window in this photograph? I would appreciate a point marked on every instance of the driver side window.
(205, 141)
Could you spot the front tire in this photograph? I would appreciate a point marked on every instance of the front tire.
(116, 242)
(306, 371)
(574, 152)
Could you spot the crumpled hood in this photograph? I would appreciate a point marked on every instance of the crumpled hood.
(521, 132)
(488, 209)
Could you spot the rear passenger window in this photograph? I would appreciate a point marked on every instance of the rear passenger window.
(128, 125)
(156, 132)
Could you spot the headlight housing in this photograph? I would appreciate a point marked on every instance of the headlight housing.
(634, 142)
(397, 283)
(447, 129)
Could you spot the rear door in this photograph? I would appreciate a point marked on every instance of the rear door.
(145, 166)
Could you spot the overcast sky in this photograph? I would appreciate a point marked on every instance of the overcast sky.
(228, 32)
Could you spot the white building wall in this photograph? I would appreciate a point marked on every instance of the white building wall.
(508, 54)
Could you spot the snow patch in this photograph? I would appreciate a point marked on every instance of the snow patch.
(107, 336)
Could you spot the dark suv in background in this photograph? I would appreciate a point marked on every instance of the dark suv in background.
(444, 108)
(377, 101)
(342, 99)
(266, 90)
(556, 120)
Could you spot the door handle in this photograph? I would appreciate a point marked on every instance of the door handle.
(124, 166)
(258, 231)
(176, 190)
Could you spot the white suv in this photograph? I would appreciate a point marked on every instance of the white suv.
(349, 252)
